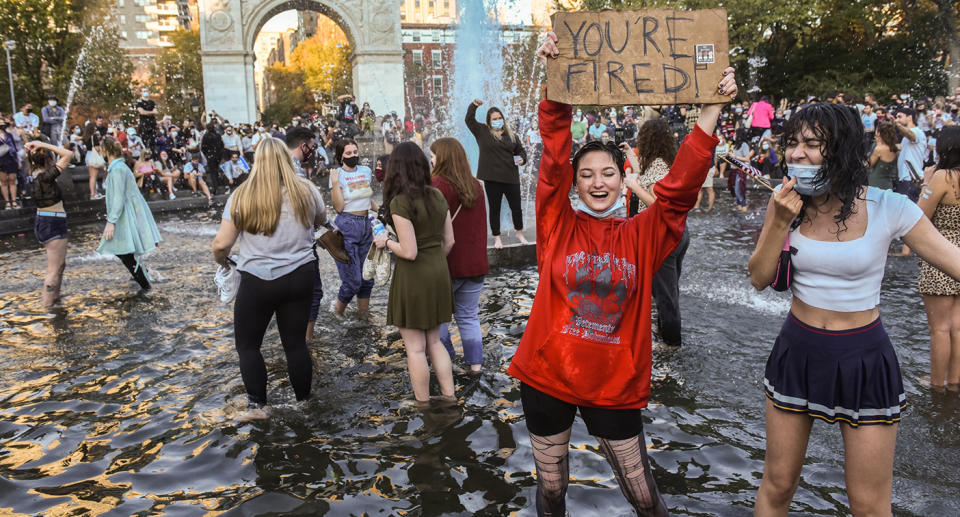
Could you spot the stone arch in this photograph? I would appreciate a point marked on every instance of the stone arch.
(263, 11)
(228, 29)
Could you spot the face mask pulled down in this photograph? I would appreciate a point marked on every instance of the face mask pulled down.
(581, 206)
(806, 176)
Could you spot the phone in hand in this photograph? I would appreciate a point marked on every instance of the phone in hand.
(618, 136)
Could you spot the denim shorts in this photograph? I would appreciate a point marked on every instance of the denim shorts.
(48, 228)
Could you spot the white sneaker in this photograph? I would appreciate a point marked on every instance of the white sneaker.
(97, 196)
(172, 196)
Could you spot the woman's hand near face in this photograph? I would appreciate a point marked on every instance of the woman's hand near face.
(787, 203)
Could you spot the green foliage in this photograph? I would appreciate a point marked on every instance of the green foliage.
(48, 36)
(291, 96)
(177, 76)
(812, 47)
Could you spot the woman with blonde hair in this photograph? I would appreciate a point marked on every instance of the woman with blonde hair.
(270, 218)
(467, 259)
(130, 231)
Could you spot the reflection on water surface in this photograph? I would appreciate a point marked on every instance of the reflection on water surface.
(121, 404)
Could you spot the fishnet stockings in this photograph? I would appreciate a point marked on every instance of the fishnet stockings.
(629, 461)
(553, 472)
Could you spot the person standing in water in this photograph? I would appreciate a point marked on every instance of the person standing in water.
(51, 223)
(833, 360)
(587, 344)
(501, 155)
(130, 231)
(351, 193)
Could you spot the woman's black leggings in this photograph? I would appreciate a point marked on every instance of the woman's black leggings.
(258, 300)
(495, 192)
(138, 272)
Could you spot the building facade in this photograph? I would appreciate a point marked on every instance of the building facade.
(145, 25)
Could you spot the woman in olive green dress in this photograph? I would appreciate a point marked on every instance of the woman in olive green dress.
(421, 297)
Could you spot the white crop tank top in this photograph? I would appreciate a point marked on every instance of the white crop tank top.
(846, 276)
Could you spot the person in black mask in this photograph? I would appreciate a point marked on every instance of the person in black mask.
(352, 195)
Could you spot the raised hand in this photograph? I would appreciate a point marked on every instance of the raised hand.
(728, 85)
(549, 47)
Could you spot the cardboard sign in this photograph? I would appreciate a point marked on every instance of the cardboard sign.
(650, 56)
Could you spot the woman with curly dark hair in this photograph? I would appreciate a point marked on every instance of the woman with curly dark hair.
(421, 298)
(833, 360)
(656, 144)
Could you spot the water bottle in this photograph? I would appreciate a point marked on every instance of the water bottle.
(378, 228)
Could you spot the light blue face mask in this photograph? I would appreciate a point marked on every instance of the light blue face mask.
(497, 124)
(600, 215)
(806, 179)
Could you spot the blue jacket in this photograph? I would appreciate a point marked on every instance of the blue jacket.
(135, 230)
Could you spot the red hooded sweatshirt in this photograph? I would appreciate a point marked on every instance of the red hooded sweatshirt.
(587, 340)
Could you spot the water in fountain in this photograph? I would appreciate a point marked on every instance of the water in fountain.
(478, 73)
(79, 72)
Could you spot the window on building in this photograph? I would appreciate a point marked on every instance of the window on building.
(435, 36)
(438, 85)
(123, 34)
(123, 19)
(119, 3)
(437, 57)
(143, 34)
(416, 3)
(418, 89)
(418, 57)
(430, 4)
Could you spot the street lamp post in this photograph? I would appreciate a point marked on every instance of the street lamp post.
(7, 46)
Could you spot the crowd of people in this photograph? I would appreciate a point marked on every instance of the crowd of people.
(603, 249)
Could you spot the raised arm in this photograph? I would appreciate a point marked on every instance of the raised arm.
(65, 155)
(473, 125)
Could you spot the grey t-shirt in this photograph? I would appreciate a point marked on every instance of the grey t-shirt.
(290, 246)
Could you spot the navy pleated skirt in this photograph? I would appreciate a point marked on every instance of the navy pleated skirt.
(849, 375)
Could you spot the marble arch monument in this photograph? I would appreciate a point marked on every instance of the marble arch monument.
(228, 29)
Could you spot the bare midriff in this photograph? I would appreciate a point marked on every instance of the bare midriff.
(832, 320)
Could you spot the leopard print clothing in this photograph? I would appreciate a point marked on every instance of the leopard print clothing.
(933, 281)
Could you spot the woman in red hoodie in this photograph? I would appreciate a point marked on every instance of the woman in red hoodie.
(587, 341)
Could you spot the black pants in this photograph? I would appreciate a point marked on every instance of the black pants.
(138, 274)
(257, 301)
(666, 292)
(495, 192)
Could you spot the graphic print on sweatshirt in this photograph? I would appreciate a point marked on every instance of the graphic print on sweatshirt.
(598, 286)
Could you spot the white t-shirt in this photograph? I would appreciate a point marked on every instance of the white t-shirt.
(27, 122)
(846, 276)
(355, 187)
(290, 246)
(912, 152)
(231, 142)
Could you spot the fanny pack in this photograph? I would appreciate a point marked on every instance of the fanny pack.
(784, 267)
